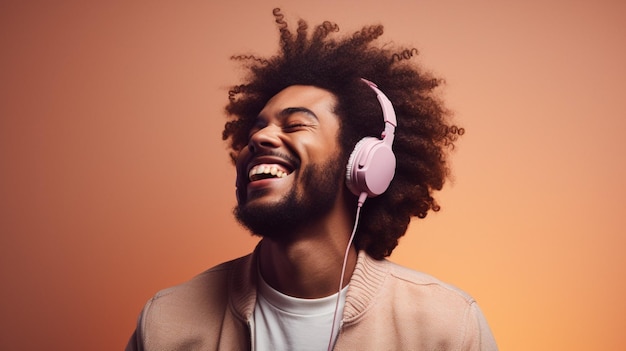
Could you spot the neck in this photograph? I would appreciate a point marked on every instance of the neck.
(309, 267)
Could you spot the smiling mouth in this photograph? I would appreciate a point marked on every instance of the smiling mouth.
(267, 171)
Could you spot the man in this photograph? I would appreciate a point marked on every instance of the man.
(319, 132)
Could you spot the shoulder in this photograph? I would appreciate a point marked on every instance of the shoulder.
(445, 307)
(193, 309)
(424, 309)
(408, 294)
(201, 287)
(385, 279)
(415, 280)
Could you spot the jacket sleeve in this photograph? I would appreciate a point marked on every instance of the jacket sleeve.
(485, 339)
(134, 344)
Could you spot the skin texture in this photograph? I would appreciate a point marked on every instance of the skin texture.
(309, 223)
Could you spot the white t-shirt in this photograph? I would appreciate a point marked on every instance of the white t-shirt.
(282, 322)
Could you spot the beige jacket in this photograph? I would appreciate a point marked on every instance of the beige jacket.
(388, 307)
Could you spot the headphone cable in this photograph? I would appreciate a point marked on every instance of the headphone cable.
(362, 198)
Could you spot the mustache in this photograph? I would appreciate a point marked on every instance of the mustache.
(294, 161)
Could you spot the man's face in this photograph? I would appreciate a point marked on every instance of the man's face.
(292, 171)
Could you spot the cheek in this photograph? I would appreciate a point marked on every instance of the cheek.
(240, 167)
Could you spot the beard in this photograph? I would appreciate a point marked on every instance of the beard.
(296, 209)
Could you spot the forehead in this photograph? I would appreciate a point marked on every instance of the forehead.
(316, 99)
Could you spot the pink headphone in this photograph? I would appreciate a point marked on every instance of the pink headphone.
(372, 164)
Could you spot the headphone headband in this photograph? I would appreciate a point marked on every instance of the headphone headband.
(389, 114)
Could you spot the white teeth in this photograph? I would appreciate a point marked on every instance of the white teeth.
(275, 170)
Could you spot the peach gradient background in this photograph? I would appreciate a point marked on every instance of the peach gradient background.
(115, 182)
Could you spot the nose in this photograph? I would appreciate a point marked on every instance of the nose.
(267, 137)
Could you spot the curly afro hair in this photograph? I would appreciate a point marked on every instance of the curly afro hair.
(424, 135)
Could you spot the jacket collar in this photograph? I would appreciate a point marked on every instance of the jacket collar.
(365, 283)
(368, 276)
(242, 285)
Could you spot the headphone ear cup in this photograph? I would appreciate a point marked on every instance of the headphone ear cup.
(351, 176)
(371, 167)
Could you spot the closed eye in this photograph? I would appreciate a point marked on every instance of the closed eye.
(297, 118)
(293, 127)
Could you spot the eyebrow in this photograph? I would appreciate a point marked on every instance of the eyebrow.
(292, 110)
